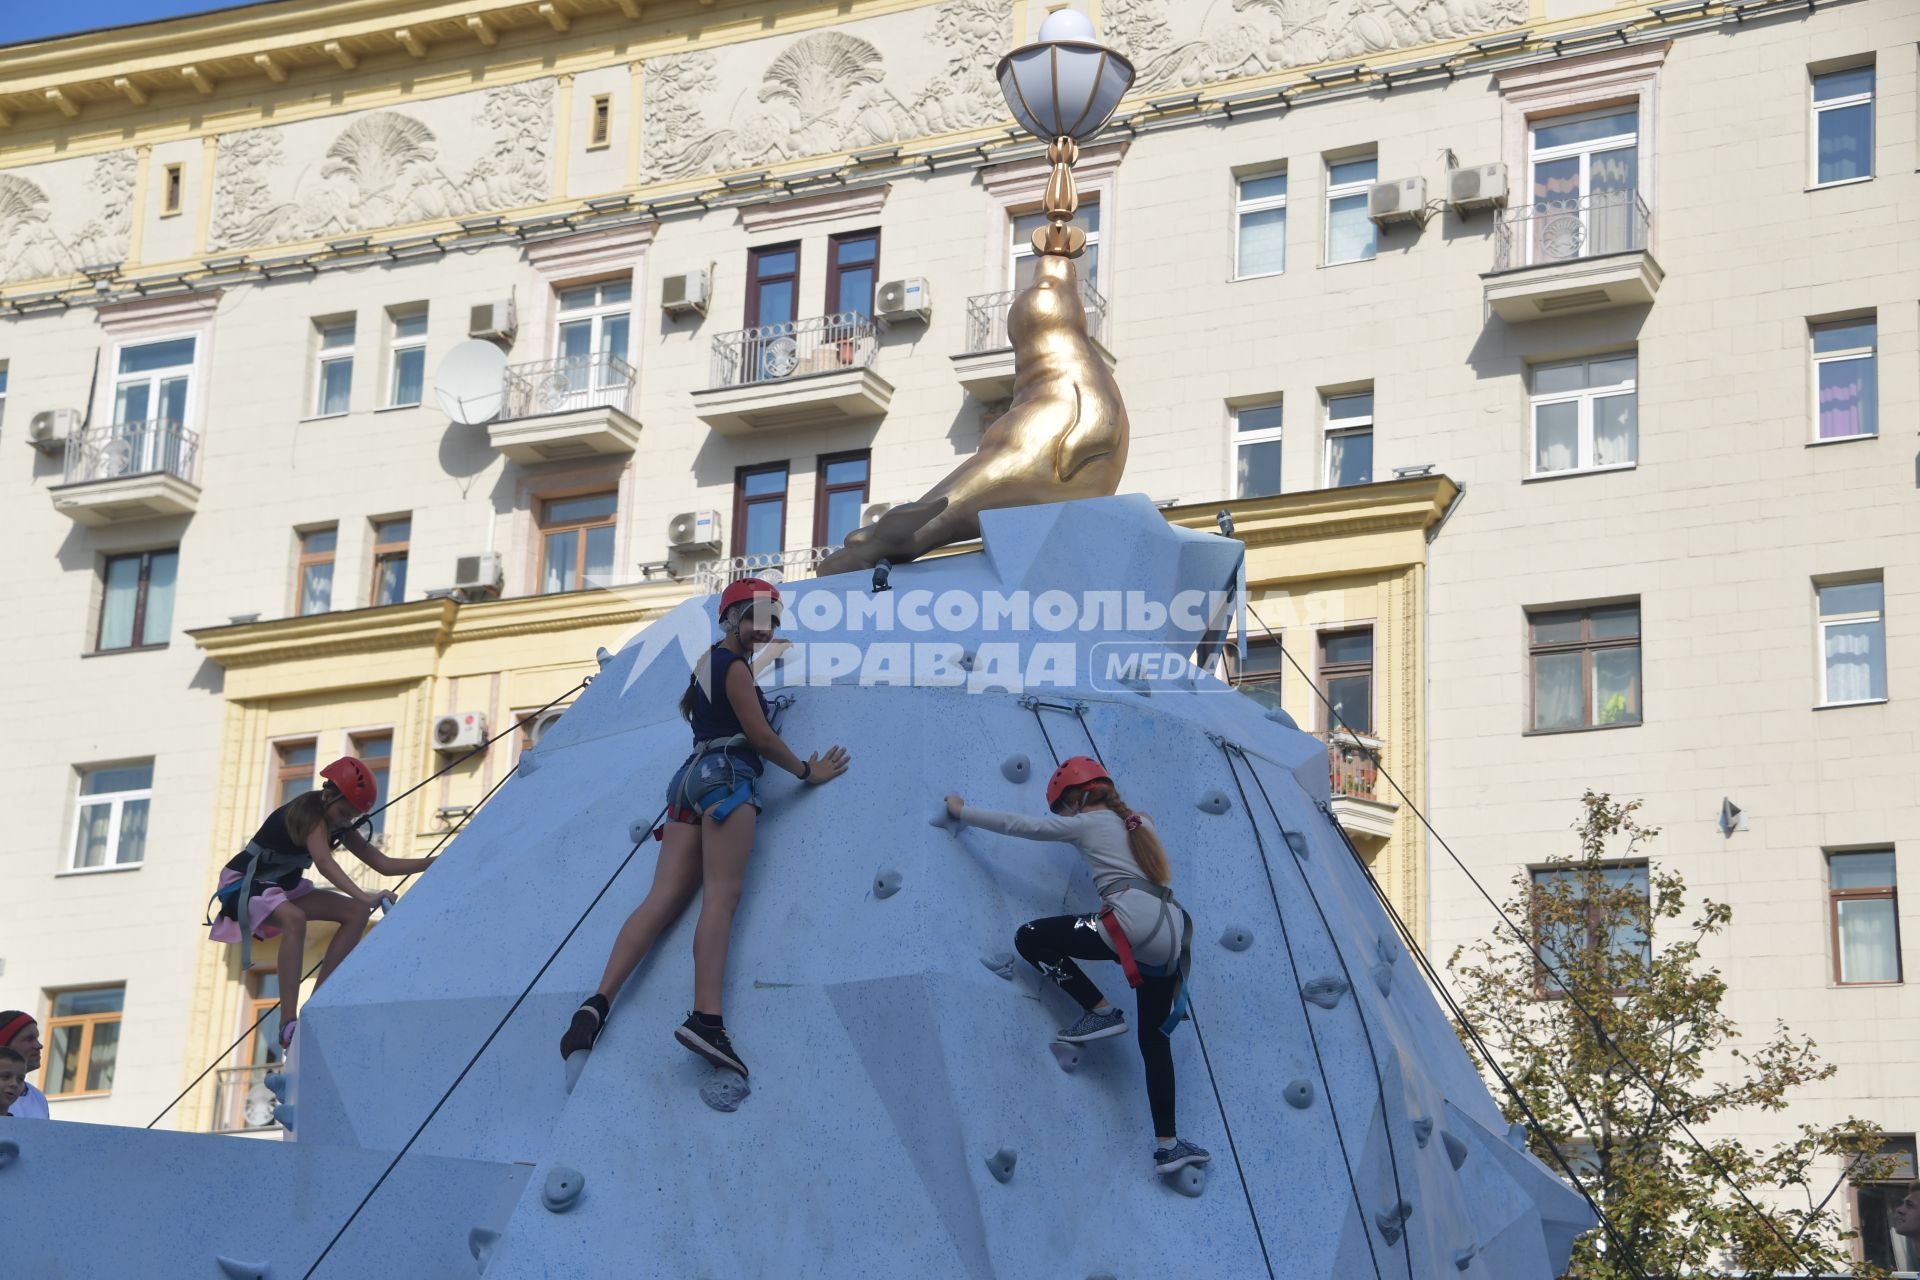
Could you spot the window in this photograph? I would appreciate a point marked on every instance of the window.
(1025, 260)
(316, 570)
(3, 393)
(1585, 415)
(1853, 642)
(294, 770)
(151, 382)
(576, 538)
(1258, 674)
(1845, 379)
(263, 1046)
(842, 494)
(1256, 451)
(1346, 679)
(376, 752)
(1585, 178)
(390, 539)
(855, 259)
(333, 379)
(1349, 434)
(171, 187)
(1864, 916)
(111, 825)
(1843, 126)
(773, 285)
(406, 356)
(760, 510)
(1614, 929)
(1351, 235)
(1585, 667)
(600, 128)
(136, 606)
(1874, 1203)
(1260, 226)
(594, 323)
(83, 1040)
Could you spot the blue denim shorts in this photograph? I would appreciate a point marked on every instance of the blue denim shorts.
(710, 779)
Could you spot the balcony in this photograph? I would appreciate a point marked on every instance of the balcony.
(559, 410)
(1556, 257)
(778, 566)
(808, 373)
(985, 369)
(241, 1100)
(129, 471)
(1356, 803)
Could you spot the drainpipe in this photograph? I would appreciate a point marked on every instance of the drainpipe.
(1426, 691)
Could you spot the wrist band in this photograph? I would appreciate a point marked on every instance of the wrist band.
(806, 769)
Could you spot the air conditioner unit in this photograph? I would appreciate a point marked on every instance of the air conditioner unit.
(1401, 201)
(460, 731)
(874, 511)
(1482, 187)
(477, 573)
(907, 299)
(493, 321)
(48, 430)
(684, 293)
(692, 529)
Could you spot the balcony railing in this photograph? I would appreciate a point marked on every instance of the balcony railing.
(1353, 768)
(776, 352)
(155, 446)
(241, 1100)
(987, 318)
(601, 380)
(711, 575)
(1552, 231)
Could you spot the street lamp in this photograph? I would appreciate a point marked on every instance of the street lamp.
(1063, 89)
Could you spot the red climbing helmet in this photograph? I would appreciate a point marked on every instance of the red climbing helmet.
(747, 589)
(1075, 771)
(355, 781)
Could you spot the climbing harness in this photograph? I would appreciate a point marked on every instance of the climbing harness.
(1136, 972)
(733, 786)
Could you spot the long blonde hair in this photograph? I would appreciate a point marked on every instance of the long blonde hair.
(1142, 843)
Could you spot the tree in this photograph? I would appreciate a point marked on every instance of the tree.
(1619, 1005)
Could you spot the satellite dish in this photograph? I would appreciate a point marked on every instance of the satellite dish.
(468, 382)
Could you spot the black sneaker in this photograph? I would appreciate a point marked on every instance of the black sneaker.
(710, 1043)
(589, 1020)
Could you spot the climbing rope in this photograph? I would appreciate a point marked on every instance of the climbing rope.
(1633, 1069)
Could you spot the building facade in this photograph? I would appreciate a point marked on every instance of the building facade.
(1625, 296)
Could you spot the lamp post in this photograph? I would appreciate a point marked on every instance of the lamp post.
(1062, 89)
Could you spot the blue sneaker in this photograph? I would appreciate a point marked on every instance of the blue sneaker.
(1095, 1025)
(1178, 1156)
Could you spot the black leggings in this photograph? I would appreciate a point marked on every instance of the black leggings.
(1053, 944)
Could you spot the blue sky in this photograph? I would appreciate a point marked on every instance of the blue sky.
(29, 20)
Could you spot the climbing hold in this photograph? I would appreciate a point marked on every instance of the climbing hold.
(886, 883)
(284, 1114)
(1136, 685)
(480, 1240)
(9, 1152)
(1215, 802)
(1236, 938)
(576, 1063)
(1297, 841)
(1392, 1221)
(1067, 1055)
(1299, 1094)
(966, 659)
(276, 1082)
(941, 818)
(1102, 1275)
(1282, 719)
(1456, 1148)
(725, 1092)
(1385, 950)
(1000, 1163)
(999, 964)
(238, 1270)
(1325, 992)
(1463, 1258)
(603, 656)
(1383, 977)
(529, 761)
(563, 1188)
(1017, 768)
(1517, 1136)
(638, 830)
(1190, 1181)
(1422, 1129)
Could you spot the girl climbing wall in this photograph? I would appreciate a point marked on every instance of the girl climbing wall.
(712, 812)
(1140, 926)
(263, 882)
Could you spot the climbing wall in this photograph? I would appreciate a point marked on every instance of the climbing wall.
(907, 1116)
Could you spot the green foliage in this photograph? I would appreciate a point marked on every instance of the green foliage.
(1621, 953)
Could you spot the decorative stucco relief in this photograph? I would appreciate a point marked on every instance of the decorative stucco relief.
(824, 92)
(384, 168)
(1178, 44)
(57, 218)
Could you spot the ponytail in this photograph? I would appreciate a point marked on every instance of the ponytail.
(309, 811)
(1141, 840)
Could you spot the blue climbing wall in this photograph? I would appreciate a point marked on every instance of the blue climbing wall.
(893, 1052)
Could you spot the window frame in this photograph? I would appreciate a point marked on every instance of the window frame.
(385, 551)
(140, 600)
(323, 362)
(1585, 397)
(1344, 191)
(595, 314)
(1816, 109)
(1821, 621)
(837, 271)
(542, 530)
(1021, 248)
(1324, 672)
(1586, 646)
(823, 491)
(1901, 1183)
(600, 122)
(304, 559)
(173, 189)
(358, 741)
(399, 345)
(1242, 206)
(281, 771)
(118, 801)
(88, 1023)
(741, 502)
(1889, 893)
(1359, 424)
(1543, 986)
(1237, 438)
(1871, 353)
(154, 378)
(755, 255)
(1585, 151)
